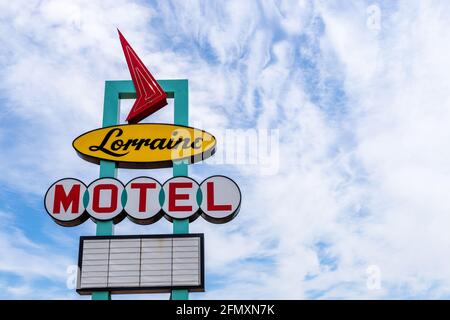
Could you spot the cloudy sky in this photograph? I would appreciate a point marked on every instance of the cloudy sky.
(354, 199)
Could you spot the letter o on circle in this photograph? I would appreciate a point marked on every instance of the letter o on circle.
(105, 200)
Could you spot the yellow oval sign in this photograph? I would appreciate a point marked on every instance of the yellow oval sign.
(145, 145)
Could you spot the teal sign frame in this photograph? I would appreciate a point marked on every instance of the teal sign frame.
(124, 89)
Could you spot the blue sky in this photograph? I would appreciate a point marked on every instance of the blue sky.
(356, 94)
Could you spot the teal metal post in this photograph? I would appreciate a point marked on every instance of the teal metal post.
(108, 168)
(181, 117)
(124, 89)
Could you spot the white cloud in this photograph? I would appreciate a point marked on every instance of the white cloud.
(25, 262)
(400, 110)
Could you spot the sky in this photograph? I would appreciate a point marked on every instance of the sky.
(347, 193)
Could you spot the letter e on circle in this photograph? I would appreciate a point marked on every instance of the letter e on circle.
(105, 200)
(181, 198)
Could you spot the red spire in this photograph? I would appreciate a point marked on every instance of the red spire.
(150, 96)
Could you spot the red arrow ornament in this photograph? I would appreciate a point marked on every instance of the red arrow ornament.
(150, 97)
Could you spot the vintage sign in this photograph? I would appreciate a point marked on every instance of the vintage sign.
(144, 200)
(141, 264)
(145, 145)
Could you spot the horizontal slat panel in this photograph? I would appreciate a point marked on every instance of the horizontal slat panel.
(156, 249)
(186, 242)
(94, 280)
(145, 261)
(96, 251)
(186, 283)
(95, 268)
(156, 279)
(186, 272)
(125, 285)
(190, 254)
(125, 250)
(185, 266)
(123, 279)
(90, 244)
(124, 261)
(125, 243)
(123, 273)
(179, 278)
(190, 282)
(185, 249)
(94, 274)
(156, 255)
(156, 243)
(186, 260)
(124, 267)
(119, 256)
(159, 266)
(96, 241)
(166, 272)
(95, 262)
(95, 256)
(155, 284)
(93, 285)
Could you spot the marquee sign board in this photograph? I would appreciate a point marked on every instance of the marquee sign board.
(144, 200)
(141, 264)
(145, 146)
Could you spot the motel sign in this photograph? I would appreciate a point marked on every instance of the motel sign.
(172, 263)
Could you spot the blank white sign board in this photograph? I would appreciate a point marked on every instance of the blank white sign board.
(145, 263)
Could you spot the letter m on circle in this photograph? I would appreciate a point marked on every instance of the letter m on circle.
(72, 198)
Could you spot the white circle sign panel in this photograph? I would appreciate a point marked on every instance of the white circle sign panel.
(180, 200)
(64, 202)
(105, 200)
(143, 205)
(221, 199)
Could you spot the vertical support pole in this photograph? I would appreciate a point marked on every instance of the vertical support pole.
(124, 89)
(108, 168)
(181, 117)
